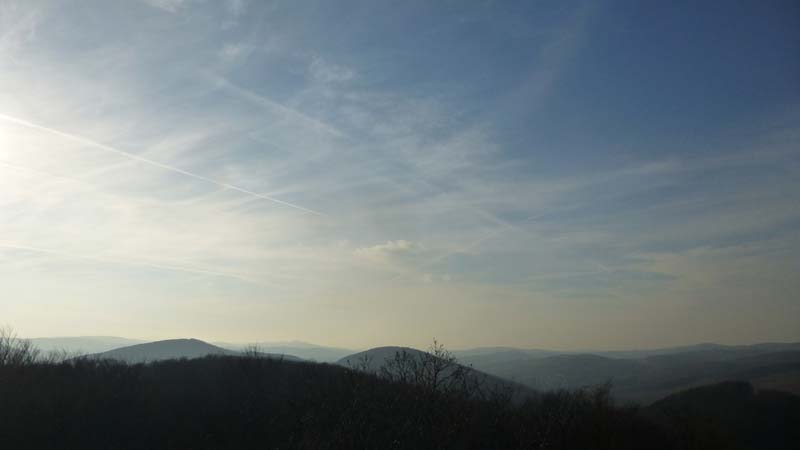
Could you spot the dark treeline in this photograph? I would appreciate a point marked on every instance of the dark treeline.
(226, 402)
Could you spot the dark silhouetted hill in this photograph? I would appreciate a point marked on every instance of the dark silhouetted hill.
(250, 401)
(225, 402)
(744, 416)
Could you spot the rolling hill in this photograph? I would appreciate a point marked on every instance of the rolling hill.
(641, 376)
(173, 349)
(83, 344)
(379, 359)
(311, 352)
(375, 358)
(646, 379)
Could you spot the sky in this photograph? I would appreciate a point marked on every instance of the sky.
(539, 174)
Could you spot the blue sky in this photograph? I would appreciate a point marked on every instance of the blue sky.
(539, 174)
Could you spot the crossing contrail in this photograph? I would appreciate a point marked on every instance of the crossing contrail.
(89, 142)
(268, 103)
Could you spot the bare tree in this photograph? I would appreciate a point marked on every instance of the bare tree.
(440, 369)
(15, 351)
(437, 369)
(253, 351)
(404, 367)
(361, 364)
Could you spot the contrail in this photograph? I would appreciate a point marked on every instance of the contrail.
(104, 259)
(151, 162)
(263, 101)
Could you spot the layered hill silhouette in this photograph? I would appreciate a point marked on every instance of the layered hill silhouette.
(641, 376)
(375, 358)
(304, 350)
(193, 394)
(232, 402)
(646, 376)
(394, 361)
(174, 349)
(83, 344)
(88, 345)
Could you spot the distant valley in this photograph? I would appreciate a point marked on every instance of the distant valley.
(646, 375)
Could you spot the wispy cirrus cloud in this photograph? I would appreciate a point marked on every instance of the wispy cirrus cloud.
(160, 165)
(388, 250)
(194, 162)
(324, 72)
(168, 5)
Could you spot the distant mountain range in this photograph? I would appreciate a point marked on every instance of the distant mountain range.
(511, 353)
(636, 375)
(647, 375)
(86, 345)
(303, 350)
(174, 349)
(83, 344)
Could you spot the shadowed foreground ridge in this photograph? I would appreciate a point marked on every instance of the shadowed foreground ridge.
(244, 402)
(420, 400)
(252, 401)
(733, 410)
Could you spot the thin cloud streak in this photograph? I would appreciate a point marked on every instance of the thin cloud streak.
(151, 162)
(261, 100)
(515, 210)
(103, 259)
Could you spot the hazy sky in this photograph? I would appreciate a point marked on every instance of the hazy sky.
(541, 174)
